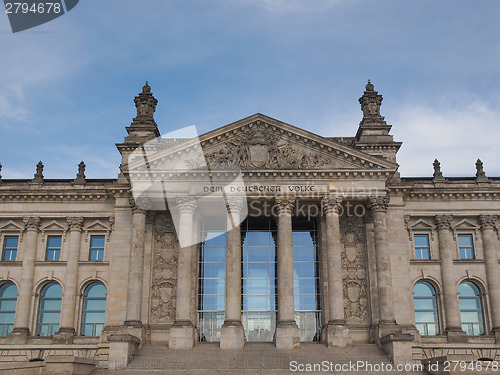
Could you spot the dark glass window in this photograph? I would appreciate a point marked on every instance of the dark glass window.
(53, 248)
(96, 248)
(259, 278)
(10, 244)
(422, 250)
(471, 309)
(8, 300)
(94, 306)
(49, 310)
(466, 246)
(306, 279)
(212, 279)
(426, 310)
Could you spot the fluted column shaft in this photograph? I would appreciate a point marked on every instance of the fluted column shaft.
(71, 279)
(378, 206)
(233, 263)
(284, 257)
(232, 334)
(333, 207)
(187, 207)
(450, 293)
(136, 269)
(491, 247)
(21, 322)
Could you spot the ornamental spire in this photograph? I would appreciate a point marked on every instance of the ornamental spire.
(438, 175)
(480, 175)
(80, 176)
(38, 176)
(146, 107)
(370, 105)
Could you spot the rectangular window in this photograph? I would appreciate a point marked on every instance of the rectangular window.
(466, 246)
(53, 248)
(10, 245)
(96, 248)
(422, 249)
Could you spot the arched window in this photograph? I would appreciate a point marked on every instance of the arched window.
(8, 300)
(49, 310)
(471, 309)
(94, 305)
(426, 310)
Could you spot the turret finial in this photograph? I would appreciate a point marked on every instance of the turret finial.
(438, 175)
(369, 86)
(80, 176)
(38, 176)
(480, 175)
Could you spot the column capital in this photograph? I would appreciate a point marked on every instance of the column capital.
(488, 221)
(332, 204)
(444, 221)
(234, 204)
(284, 205)
(31, 223)
(139, 205)
(378, 204)
(75, 223)
(186, 204)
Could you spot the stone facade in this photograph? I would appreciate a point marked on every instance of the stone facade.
(367, 218)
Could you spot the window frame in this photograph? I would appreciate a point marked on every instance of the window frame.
(479, 298)
(472, 247)
(429, 237)
(91, 236)
(436, 311)
(42, 298)
(47, 240)
(84, 298)
(4, 247)
(4, 286)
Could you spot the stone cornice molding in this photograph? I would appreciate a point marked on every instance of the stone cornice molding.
(444, 222)
(234, 204)
(31, 223)
(284, 205)
(75, 223)
(332, 204)
(488, 221)
(378, 204)
(186, 205)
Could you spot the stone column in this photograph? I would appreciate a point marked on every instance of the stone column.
(491, 248)
(67, 327)
(232, 333)
(337, 333)
(23, 307)
(287, 331)
(447, 248)
(136, 265)
(182, 332)
(387, 324)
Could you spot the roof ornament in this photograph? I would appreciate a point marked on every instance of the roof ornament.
(438, 175)
(0, 171)
(80, 176)
(371, 102)
(480, 175)
(146, 106)
(38, 176)
(369, 86)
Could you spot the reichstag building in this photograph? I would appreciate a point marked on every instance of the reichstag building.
(255, 233)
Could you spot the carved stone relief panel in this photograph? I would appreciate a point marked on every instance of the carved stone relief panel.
(354, 270)
(164, 270)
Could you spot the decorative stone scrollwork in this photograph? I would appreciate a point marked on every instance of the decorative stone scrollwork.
(140, 205)
(284, 205)
(488, 221)
(355, 284)
(75, 223)
(164, 272)
(444, 221)
(332, 204)
(186, 204)
(379, 204)
(31, 223)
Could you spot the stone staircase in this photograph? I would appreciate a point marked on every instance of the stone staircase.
(260, 359)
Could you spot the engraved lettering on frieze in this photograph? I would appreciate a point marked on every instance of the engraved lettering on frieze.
(354, 270)
(164, 271)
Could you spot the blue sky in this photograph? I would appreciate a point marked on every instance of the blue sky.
(67, 87)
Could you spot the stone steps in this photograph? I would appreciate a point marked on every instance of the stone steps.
(255, 358)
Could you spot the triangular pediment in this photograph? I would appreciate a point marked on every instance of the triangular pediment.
(257, 143)
(422, 224)
(97, 225)
(53, 225)
(11, 226)
(465, 224)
